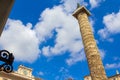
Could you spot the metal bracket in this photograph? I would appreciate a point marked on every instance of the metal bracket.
(7, 59)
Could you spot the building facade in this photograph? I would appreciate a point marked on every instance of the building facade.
(5, 8)
(23, 73)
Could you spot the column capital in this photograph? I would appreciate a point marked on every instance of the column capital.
(80, 10)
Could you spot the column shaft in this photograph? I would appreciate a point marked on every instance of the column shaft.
(97, 71)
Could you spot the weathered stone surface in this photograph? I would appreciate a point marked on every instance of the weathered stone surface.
(97, 71)
(5, 7)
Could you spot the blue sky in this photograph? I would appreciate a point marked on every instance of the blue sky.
(44, 35)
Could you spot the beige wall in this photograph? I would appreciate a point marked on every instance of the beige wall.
(19, 74)
(0, 78)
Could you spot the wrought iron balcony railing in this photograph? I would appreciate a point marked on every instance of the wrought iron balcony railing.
(7, 59)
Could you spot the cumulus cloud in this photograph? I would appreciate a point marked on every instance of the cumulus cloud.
(70, 5)
(75, 58)
(112, 25)
(67, 36)
(57, 23)
(112, 66)
(20, 40)
(95, 3)
(63, 74)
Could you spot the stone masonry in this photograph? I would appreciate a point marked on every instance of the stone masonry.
(97, 71)
(5, 7)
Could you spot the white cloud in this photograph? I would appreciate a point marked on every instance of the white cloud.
(24, 42)
(71, 5)
(112, 26)
(63, 70)
(112, 66)
(20, 40)
(75, 58)
(81, 57)
(67, 36)
(95, 3)
(102, 53)
(112, 22)
(41, 73)
(49, 20)
(63, 74)
(92, 24)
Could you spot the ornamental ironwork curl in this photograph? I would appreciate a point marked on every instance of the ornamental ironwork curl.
(7, 59)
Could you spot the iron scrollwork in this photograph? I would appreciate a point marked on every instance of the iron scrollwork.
(7, 59)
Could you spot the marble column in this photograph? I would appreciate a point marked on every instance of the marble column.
(97, 71)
